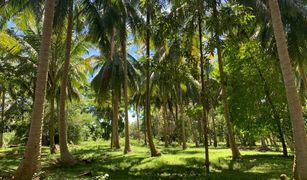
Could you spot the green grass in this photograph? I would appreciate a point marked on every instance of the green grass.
(173, 164)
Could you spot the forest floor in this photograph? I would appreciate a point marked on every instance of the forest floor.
(97, 160)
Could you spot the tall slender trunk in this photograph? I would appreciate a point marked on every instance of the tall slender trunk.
(295, 108)
(303, 74)
(153, 149)
(194, 133)
(115, 100)
(177, 120)
(183, 135)
(164, 111)
(303, 89)
(145, 125)
(275, 112)
(138, 123)
(227, 139)
(52, 99)
(66, 158)
(30, 162)
(232, 142)
(115, 104)
(264, 146)
(203, 92)
(124, 44)
(51, 125)
(214, 131)
(200, 129)
(184, 143)
(2, 118)
(272, 141)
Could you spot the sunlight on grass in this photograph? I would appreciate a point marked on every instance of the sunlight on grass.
(97, 159)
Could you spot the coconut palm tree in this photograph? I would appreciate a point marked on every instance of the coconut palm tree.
(234, 149)
(66, 157)
(104, 31)
(203, 90)
(110, 78)
(152, 147)
(128, 11)
(124, 51)
(30, 163)
(294, 105)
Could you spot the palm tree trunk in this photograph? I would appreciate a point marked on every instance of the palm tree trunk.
(30, 162)
(183, 135)
(275, 113)
(51, 125)
(214, 132)
(295, 108)
(115, 100)
(272, 141)
(232, 142)
(127, 140)
(115, 103)
(227, 138)
(2, 118)
(200, 129)
(153, 149)
(203, 93)
(66, 158)
(164, 111)
(184, 143)
(138, 123)
(303, 74)
(145, 125)
(194, 133)
(264, 146)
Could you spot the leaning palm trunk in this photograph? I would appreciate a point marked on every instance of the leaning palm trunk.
(66, 158)
(153, 149)
(30, 162)
(124, 51)
(232, 142)
(275, 112)
(295, 108)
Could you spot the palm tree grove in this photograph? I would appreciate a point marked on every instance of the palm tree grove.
(153, 89)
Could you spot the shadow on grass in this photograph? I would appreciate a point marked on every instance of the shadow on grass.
(120, 166)
(180, 151)
(9, 159)
(265, 166)
(99, 160)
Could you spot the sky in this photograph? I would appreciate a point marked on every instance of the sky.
(132, 50)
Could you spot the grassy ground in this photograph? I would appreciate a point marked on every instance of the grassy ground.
(97, 159)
